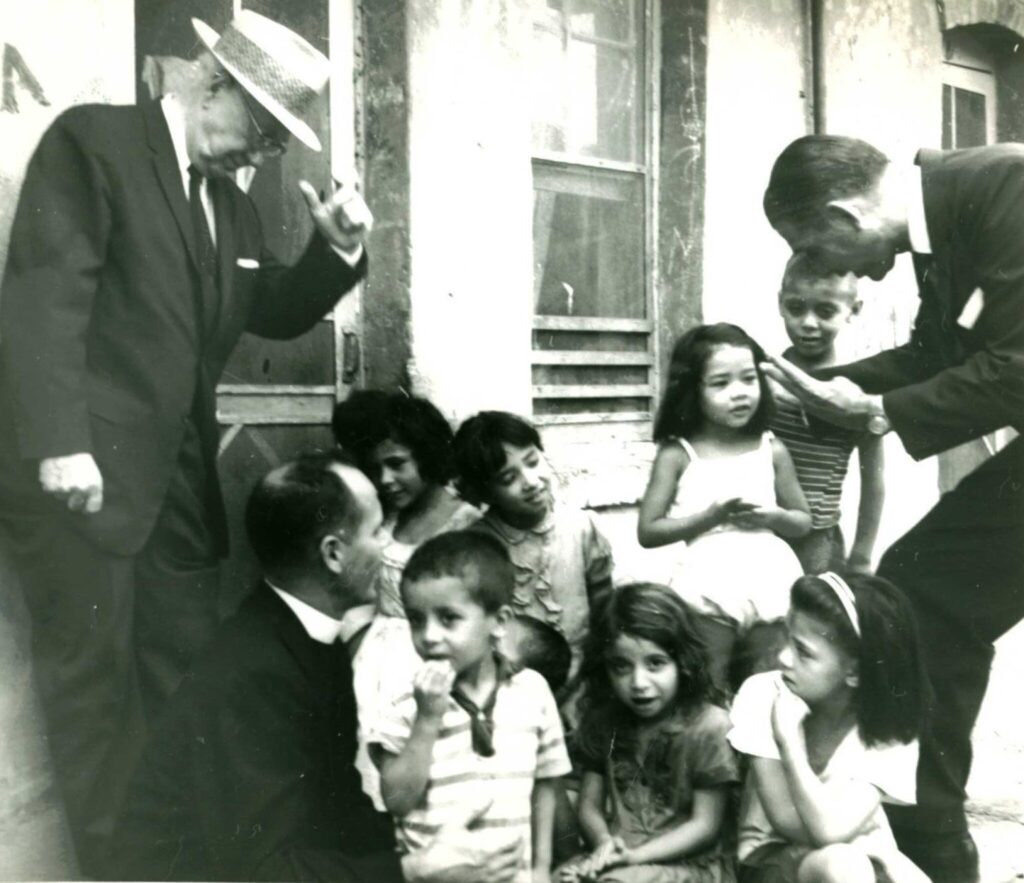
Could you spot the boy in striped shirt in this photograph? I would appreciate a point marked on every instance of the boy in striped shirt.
(470, 727)
(815, 309)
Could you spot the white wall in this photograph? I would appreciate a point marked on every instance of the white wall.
(471, 203)
(755, 107)
(78, 51)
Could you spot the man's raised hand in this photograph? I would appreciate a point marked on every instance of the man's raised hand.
(342, 216)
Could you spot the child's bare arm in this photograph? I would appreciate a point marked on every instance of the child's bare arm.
(590, 810)
(698, 832)
(871, 455)
(773, 792)
(542, 823)
(793, 519)
(654, 527)
(404, 776)
(831, 812)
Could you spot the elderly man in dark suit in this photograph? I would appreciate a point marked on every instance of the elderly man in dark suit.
(961, 375)
(250, 772)
(135, 264)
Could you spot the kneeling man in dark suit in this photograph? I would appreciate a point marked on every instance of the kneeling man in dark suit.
(249, 773)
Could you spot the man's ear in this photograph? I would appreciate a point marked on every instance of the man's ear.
(855, 307)
(851, 210)
(332, 552)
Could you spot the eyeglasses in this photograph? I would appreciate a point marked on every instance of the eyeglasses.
(264, 143)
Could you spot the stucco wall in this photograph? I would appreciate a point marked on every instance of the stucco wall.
(89, 57)
(471, 197)
(756, 105)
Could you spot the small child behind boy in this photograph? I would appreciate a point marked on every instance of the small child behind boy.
(815, 309)
(470, 726)
(563, 563)
(530, 643)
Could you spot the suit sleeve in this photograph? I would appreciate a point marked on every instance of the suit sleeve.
(913, 362)
(57, 251)
(265, 814)
(291, 300)
(985, 391)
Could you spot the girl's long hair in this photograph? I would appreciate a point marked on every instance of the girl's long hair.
(640, 610)
(679, 413)
(892, 693)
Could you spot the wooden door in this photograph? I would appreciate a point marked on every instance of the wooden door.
(275, 397)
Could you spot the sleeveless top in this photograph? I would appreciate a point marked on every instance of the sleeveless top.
(750, 476)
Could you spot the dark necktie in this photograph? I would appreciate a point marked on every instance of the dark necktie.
(204, 240)
(481, 721)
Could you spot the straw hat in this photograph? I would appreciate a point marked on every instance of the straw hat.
(280, 69)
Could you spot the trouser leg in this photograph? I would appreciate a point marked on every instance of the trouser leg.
(80, 601)
(177, 577)
(962, 567)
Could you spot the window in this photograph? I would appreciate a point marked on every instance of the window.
(593, 356)
(968, 94)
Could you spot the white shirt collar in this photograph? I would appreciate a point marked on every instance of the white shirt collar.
(319, 626)
(917, 225)
(174, 113)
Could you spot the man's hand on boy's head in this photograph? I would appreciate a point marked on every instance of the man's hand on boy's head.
(432, 686)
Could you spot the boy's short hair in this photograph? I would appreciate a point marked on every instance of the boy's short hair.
(479, 560)
(802, 271)
(543, 648)
(479, 455)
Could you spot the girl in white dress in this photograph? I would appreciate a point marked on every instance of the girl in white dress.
(724, 486)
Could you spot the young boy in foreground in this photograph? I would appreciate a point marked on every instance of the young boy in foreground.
(469, 726)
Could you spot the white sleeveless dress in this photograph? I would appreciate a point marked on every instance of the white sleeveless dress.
(739, 575)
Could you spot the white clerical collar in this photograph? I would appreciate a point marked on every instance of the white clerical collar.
(917, 225)
(319, 626)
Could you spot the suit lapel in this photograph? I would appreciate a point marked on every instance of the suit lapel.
(165, 164)
(933, 271)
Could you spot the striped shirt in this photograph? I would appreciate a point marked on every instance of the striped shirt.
(821, 458)
(528, 745)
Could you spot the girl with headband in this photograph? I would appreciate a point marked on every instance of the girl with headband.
(831, 736)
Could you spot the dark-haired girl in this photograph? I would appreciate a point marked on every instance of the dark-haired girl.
(722, 484)
(657, 768)
(832, 736)
(404, 444)
(563, 562)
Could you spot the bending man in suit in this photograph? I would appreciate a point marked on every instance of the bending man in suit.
(961, 375)
(250, 772)
(135, 264)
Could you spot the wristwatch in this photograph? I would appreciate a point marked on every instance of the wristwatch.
(878, 423)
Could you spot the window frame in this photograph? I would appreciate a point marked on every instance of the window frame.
(638, 423)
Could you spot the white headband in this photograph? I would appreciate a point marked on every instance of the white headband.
(845, 595)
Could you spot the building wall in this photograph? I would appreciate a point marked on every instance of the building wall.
(89, 57)
(757, 103)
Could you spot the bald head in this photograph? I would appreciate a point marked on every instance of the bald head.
(298, 504)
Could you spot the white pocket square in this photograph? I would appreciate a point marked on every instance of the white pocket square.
(248, 263)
